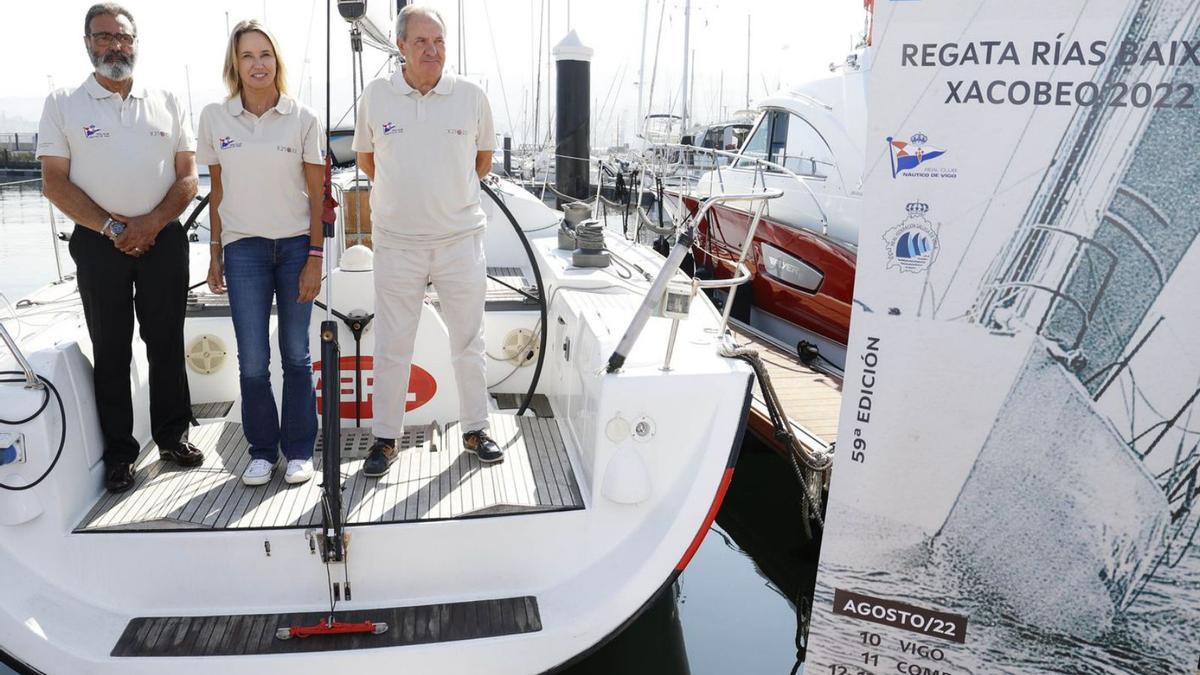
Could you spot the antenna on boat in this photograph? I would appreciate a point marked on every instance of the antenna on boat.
(330, 357)
(331, 539)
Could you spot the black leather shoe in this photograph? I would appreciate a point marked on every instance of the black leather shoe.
(483, 446)
(381, 455)
(118, 477)
(183, 454)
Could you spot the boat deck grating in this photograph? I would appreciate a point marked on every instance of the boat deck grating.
(434, 478)
(214, 410)
(246, 634)
(499, 297)
(540, 405)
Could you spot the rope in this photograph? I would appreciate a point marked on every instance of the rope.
(810, 466)
(590, 236)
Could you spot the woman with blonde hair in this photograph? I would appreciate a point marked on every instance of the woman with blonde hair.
(264, 151)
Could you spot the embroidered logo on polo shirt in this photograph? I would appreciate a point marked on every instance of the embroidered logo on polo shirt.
(93, 131)
(284, 148)
(390, 128)
(456, 132)
(159, 134)
(228, 142)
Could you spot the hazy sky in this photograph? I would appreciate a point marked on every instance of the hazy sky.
(791, 41)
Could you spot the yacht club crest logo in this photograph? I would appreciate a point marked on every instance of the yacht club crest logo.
(390, 128)
(909, 158)
(913, 244)
(229, 142)
(93, 131)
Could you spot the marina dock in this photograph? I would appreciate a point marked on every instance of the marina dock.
(811, 398)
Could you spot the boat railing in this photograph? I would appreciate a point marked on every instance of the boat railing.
(737, 161)
(31, 378)
(683, 244)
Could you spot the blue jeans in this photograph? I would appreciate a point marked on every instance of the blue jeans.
(257, 271)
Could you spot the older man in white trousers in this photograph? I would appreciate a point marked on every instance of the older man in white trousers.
(425, 138)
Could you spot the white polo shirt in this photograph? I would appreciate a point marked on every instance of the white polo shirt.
(122, 152)
(426, 191)
(262, 166)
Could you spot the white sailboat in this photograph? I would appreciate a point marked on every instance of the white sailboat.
(619, 412)
(520, 567)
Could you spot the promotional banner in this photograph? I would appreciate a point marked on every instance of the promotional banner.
(1016, 484)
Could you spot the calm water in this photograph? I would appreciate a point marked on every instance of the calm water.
(26, 254)
(734, 608)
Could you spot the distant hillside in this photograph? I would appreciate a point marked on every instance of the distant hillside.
(20, 113)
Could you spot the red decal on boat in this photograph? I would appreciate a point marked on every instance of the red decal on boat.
(421, 387)
(708, 520)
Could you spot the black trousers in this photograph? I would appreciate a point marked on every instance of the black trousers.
(114, 287)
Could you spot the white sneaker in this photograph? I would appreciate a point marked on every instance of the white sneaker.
(298, 471)
(258, 473)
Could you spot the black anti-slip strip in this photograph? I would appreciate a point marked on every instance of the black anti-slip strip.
(245, 634)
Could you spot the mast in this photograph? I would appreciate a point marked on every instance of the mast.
(721, 97)
(747, 62)
(687, 30)
(462, 41)
(642, 65)
(654, 70)
(692, 84)
(187, 75)
(537, 95)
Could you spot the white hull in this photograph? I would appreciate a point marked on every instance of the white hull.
(69, 595)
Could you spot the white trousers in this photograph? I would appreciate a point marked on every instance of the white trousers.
(458, 271)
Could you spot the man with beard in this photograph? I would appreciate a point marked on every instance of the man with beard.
(119, 160)
(425, 138)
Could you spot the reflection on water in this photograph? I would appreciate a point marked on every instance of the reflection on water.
(732, 611)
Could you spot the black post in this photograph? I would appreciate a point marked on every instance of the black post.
(572, 130)
(331, 376)
(331, 441)
(508, 156)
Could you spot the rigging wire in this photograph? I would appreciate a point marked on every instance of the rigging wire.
(500, 71)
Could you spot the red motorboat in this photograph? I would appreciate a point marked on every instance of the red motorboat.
(808, 142)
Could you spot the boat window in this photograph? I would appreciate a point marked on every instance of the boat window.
(779, 136)
(804, 151)
(756, 147)
(734, 136)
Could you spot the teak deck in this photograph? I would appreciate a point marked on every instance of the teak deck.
(433, 479)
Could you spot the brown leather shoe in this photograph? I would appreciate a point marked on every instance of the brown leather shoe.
(183, 454)
(483, 446)
(118, 477)
(381, 455)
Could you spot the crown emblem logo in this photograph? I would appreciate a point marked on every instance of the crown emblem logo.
(918, 138)
(917, 208)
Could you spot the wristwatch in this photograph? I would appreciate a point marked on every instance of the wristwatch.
(112, 228)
